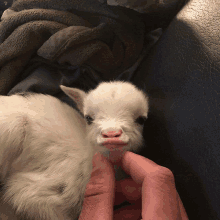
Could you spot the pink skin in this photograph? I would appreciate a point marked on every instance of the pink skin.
(114, 144)
(151, 191)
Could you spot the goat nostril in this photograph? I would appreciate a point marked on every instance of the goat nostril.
(112, 134)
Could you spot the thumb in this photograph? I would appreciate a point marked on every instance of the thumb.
(160, 199)
(99, 195)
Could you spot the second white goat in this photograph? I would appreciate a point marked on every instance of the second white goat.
(46, 147)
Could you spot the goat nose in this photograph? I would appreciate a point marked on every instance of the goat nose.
(111, 134)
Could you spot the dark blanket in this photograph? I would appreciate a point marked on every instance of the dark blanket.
(183, 129)
(45, 43)
(62, 36)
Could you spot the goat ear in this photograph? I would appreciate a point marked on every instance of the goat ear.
(76, 95)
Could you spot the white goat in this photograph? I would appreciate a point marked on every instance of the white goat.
(46, 148)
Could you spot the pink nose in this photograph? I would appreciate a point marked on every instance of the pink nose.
(112, 134)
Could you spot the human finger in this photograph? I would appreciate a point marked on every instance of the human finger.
(132, 212)
(182, 209)
(127, 190)
(159, 195)
(99, 195)
(137, 166)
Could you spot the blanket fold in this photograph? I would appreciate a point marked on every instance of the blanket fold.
(70, 33)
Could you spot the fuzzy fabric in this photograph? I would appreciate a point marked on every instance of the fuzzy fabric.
(65, 33)
(53, 31)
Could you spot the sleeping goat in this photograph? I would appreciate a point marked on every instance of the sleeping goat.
(46, 146)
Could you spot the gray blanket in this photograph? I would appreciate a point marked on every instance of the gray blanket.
(64, 35)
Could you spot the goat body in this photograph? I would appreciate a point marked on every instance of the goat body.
(46, 147)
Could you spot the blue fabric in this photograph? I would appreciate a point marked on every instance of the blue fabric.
(182, 78)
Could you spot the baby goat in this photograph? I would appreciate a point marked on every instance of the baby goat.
(46, 147)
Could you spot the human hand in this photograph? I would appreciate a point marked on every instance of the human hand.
(160, 200)
(155, 184)
(99, 195)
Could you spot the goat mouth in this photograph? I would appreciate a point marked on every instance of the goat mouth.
(114, 142)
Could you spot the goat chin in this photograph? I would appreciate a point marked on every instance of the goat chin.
(46, 146)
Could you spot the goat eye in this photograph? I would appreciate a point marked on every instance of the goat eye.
(89, 120)
(140, 120)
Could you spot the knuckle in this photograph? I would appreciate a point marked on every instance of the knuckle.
(166, 173)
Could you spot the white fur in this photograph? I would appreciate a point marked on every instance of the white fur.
(46, 149)
(115, 106)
